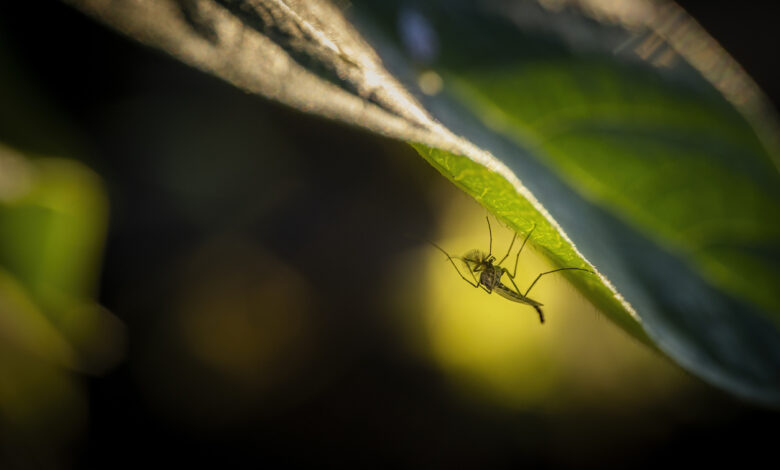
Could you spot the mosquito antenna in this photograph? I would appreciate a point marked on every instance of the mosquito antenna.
(554, 271)
(452, 261)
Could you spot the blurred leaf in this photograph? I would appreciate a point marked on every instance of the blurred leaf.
(655, 173)
(52, 229)
(59, 222)
(23, 326)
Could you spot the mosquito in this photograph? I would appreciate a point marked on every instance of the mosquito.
(491, 272)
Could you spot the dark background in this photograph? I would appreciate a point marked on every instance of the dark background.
(193, 168)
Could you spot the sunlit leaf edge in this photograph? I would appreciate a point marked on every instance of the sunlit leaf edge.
(630, 212)
(498, 196)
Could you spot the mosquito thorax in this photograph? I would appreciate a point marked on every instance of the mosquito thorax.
(491, 276)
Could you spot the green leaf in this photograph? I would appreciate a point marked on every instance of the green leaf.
(685, 170)
(660, 181)
(633, 142)
(501, 197)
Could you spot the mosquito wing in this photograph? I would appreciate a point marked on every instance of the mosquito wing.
(509, 294)
(475, 255)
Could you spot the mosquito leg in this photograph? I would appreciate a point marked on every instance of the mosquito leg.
(490, 232)
(473, 276)
(473, 284)
(509, 250)
(517, 289)
(483, 286)
(476, 283)
(517, 258)
(553, 271)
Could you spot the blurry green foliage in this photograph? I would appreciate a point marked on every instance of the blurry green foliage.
(52, 226)
(51, 241)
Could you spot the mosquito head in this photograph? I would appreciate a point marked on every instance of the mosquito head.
(478, 261)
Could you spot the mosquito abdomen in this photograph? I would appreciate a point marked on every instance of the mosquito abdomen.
(539, 311)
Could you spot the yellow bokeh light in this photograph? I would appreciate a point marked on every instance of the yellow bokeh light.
(240, 336)
(486, 339)
(497, 351)
(244, 312)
